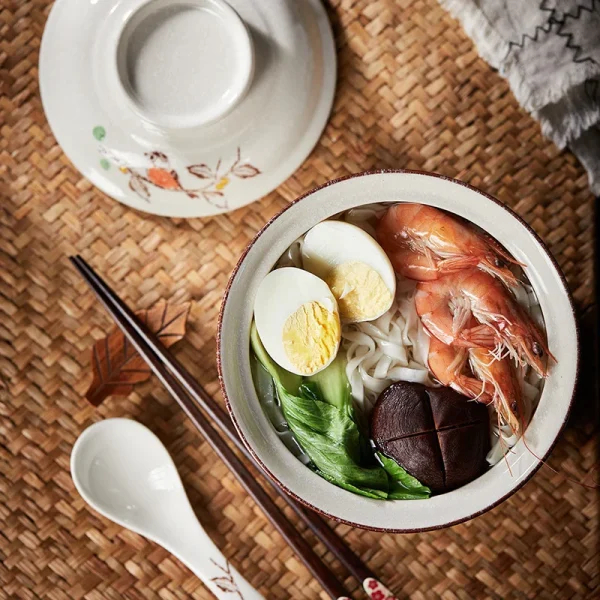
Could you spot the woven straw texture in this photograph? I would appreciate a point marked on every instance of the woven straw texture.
(412, 93)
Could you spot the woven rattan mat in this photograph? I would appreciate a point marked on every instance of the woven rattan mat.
(412, 93)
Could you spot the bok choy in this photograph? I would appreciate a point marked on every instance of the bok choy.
(319, 412)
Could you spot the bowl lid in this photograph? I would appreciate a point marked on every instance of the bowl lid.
(187, 108)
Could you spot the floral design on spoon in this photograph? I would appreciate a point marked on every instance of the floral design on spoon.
(226, 583)
(155, 170)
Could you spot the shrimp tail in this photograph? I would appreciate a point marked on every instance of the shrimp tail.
(447, 364)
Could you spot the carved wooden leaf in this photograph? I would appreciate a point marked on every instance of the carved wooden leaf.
(202, 171)
(117, 365)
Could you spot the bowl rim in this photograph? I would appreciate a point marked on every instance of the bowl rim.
(259, 461)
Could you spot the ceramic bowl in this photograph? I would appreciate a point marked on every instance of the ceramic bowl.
(498, 483)
(188, 108)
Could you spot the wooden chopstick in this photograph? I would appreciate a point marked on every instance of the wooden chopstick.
(140, 336)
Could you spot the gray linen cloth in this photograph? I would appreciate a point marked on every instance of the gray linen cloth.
(549, 51)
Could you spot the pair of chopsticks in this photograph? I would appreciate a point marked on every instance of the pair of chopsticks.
(190, 395)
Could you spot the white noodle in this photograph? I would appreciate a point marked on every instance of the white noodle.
(292, 256)
(391, 348)
(365, 217)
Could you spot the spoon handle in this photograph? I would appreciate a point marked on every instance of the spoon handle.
(197, 551)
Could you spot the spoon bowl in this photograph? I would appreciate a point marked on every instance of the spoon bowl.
(124, 472)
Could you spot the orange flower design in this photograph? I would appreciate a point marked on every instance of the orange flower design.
(160, 174)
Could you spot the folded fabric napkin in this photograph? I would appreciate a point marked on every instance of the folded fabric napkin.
(549, 50)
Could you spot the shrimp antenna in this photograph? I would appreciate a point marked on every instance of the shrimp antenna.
(593, 486)
(503, 446)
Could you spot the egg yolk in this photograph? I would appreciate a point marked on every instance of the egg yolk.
(359, 290)
(311, 336)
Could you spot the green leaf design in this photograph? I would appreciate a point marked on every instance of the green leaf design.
(403, 486)
(105, 164)
(99, 132)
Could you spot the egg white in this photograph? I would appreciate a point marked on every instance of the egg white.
(281, 293)
(332, 243)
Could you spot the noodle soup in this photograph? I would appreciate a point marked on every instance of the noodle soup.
(319, 390)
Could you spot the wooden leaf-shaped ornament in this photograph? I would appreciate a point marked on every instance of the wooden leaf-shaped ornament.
(117, 365)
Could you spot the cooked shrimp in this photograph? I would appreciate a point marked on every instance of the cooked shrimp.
(425, 243)
(501, 375)
(447, 305)
(448, 366)
(497, 381)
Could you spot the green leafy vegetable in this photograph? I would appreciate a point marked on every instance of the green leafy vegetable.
(326, 433)
(333, 385)
(402, 485)
(332, 441)
(320, 413)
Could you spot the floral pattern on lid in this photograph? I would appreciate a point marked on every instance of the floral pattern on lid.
(157, 172)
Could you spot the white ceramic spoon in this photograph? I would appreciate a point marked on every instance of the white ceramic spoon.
(123, 471)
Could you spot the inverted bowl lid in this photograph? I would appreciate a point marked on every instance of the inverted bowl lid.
(188, 108)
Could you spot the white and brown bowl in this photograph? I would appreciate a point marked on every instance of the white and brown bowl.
(253, 425)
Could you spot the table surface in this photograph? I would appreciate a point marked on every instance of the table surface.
(412, 93)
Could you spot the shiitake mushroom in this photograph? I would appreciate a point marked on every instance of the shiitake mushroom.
(436, 434)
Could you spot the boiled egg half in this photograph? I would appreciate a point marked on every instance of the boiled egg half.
(354, 266)
(298, 321)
